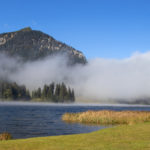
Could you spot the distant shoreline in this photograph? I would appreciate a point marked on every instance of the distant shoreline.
(2, 103)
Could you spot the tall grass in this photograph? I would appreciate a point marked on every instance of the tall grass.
(107, 117)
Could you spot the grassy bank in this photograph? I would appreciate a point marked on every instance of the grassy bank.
(107, 117)
(123, 137)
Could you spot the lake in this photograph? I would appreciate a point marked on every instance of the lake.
(24, 120)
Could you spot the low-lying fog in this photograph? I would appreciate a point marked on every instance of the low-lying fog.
(100, 79)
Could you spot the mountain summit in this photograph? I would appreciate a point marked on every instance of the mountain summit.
(32, 45)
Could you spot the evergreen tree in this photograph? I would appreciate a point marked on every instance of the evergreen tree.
(57, 93)
(50, 94)
(39, 93)
(72, 96)
(63, 93)
(45, 92)
(69, 98)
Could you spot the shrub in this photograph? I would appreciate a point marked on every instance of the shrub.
(5, 136)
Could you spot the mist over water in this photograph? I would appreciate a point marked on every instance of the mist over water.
(100, 79)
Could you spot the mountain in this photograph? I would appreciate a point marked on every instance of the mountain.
(31, 45)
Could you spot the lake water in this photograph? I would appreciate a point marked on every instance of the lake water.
(24, 120)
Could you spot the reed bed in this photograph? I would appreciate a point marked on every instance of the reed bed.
(107, 117)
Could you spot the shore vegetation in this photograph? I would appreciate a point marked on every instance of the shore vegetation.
(107, 117)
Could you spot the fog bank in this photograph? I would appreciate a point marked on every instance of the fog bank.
(100, 79)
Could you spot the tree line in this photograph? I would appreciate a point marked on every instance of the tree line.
(52, 92)
(12, 91)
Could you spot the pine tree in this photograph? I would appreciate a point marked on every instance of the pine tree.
(69, 94)
(57, 93)
(45, 92)
(72, 96)
(39, 94)
(63, 92)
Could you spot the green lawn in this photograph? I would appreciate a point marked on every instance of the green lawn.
(123, 137)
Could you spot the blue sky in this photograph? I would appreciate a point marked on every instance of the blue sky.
(98, 28)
